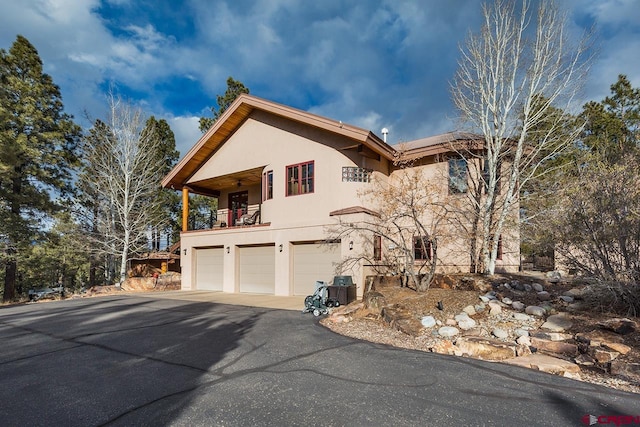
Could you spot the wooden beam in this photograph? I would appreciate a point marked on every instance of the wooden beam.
(365, 151)
(185, 209)
(202, 191)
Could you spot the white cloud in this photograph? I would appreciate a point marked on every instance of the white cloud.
(186, 131)
(372, 64)
(618, 40)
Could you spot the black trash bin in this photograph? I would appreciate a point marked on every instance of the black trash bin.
(342, 290)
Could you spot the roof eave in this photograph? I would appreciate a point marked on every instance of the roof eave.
(176, 181)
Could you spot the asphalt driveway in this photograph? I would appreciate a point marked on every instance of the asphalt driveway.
(131, 360)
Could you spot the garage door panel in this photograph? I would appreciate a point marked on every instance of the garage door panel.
(257, 269)
(313, 262)
(209, 269)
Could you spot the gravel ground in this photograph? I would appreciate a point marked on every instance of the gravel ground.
(373, 329)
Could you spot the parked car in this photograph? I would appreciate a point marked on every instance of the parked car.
(48, 292)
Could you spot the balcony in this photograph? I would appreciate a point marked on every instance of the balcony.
(242, 217)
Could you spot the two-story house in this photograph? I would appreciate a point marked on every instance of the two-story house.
(282, 177)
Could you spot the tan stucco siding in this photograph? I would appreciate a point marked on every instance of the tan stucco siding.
(259, 144)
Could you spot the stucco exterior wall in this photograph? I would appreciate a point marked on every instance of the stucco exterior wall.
(262, 142)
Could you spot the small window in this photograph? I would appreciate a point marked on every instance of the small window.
(458, 176)
(422, 250)
(377, 247)
(267, 185)
(300, 178)
(355, 174)
(499, 256)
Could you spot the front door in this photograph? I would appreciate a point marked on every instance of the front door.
(238, 204)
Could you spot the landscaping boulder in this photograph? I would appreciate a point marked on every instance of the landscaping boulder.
(428, 321)
(544, 296)
(443, 347)
(597, 338)
(621, 326)
(470, 310)
(554, 276)
(556, 347)
(557, 323)
(603, 355)
(552, 336)
(544, 363)
(374, 301)
(629, 371)
(448, 331)
(500, 333)
(464, 321)
(537, 287)
(485, 348)
(401, 319)
(535, 310)
(517, 305)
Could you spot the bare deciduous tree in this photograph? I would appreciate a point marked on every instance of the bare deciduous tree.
(510, 76)
(405, 222)
(124, 175)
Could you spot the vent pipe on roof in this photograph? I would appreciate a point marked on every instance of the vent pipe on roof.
(385, 131)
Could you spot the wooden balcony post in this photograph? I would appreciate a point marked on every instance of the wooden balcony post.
(185, 209)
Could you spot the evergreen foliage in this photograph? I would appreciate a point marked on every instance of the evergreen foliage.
(37, 152)
(234, 89)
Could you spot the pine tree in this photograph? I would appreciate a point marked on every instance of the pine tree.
(167, 200)
(37, 150)
(234, 89)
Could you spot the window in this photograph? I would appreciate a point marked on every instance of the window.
(499, 256)
(458, 181)
(355, 174)
(300, 179)
(377, 247)
(422, 250)
(485, 176)
(267, 185)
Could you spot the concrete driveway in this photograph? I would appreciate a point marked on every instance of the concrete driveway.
(154, 360)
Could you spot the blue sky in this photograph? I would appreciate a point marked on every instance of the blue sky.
(370, 63)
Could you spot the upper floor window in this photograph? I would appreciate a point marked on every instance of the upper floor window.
(422, 250)
(458, 176)
(485, 176)
(300, 178)
(355, 174)
(267, 185)
(377, 247)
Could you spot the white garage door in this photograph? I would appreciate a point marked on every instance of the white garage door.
(312, 262)
(258, 269)
(209, 269)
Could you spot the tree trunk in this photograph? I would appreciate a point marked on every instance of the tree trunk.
(125, 255)
(123, 267)
(92, 272)
(10, 277)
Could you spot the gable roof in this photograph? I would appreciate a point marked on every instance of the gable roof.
(235, 116)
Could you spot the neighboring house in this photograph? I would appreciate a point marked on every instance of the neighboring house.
(282, 178)
(160, 262)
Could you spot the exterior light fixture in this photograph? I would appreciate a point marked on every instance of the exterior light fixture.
(228, 249)
(351, 245)
(184, 251)
(280, 247)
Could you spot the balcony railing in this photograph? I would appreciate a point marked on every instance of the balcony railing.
(239, 217)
